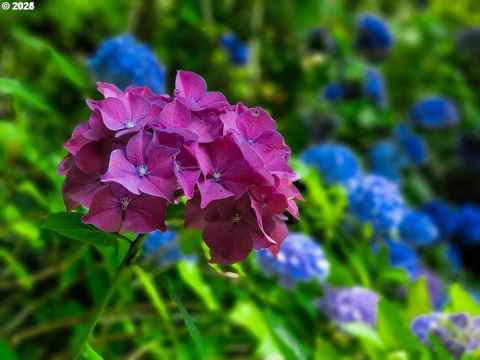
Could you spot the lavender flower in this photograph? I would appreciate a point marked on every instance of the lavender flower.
(345, 305)
(300, 259)
(459, 333)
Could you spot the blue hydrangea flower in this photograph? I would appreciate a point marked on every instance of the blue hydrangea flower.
(300, 259)
(374, 36)
(387, 160)
(454, 257)
(336, 163)
(374, 87)
(124, 62)
(402, 256)
(444, 216)
(377, 200)
(346, 305)
(238, 51)
(469, 224)
(162, 247)
(418, 229)
(436, 112)
(333, 92)
(459, 333)
(411, 144)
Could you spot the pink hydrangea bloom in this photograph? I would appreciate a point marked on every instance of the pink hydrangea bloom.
(139, 151)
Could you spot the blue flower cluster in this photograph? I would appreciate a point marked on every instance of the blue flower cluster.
(238, 51)
(162, 248)
(403, 256)
(411, 144)
(444, 216)
(300, 259)
(374, 37)
(469, 224)
(336, 163)
(434, 112)
(418, 229)
(346, 305)
(376, 200)
(125, 62)
(459, 333)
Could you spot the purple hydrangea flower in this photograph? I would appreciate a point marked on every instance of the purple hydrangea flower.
(418, 229)
(375, 199)
(374, 37)
(300, 259)
(346, 305)
(435, 112)
(337, 163)
(124, 62)
(459, 333)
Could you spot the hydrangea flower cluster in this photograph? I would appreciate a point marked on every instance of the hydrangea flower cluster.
(123, 61)
(411, 144)
(418, 229)
(469, 224)
(163, 247)
(300, 259)
(402, 256)
(337, 163)
(238, 51)
(374, 38)
(458, 332)
(387, 160)
(434, 112)
(372, 88)
(140, 151)
(376, 200)
(346, 305)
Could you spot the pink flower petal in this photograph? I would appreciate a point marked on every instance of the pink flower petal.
(122, 172)
(190, 85)
(210, 190)
(114, 114)
(137, 148)
(105, 211)
(146, 213)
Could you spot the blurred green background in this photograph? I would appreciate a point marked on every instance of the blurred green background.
(50, 284)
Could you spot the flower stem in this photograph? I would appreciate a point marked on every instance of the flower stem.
(121, 271)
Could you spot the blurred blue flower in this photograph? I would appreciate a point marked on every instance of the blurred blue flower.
(238, 51)
(444, 216)
(163, 248)
(374, 87)
(435, 112)
(469, 224)
(387, 160)
(459, 333)
(417, 229)
(374, 37)
(333, 92)
(402, 256)
(337, 163)
(124, 62)
(300, 259)
(454, 257)
(411, 144)
(377, 200)
(345, 305)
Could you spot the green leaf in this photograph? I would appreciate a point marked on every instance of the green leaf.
(191, 327)
(17, 269)
(365, 333)
(461, 301)
(66, 68)
(393, 329)
(90, 354)
(18, 90)
(418, 299)
(152, 292)
(71, 226)
(192, 276)
(5, 352)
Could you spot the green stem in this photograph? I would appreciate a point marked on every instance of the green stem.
(121, 271)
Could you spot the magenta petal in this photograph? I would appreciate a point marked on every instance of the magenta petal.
(146, 213)
(121, 171)
(105, 211)
(114, 113)
(213, 100)
(108, 90)
(175, 115)
(210, 190)
(194, 215)
(77, 140)
(271, 139)
(190, 85)
(66, 164)
(187, 180)
(253, 122)
(159, 186)
(93, 158)
(137, 107)
(228, 241)
(137, 147)
(81, 187)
